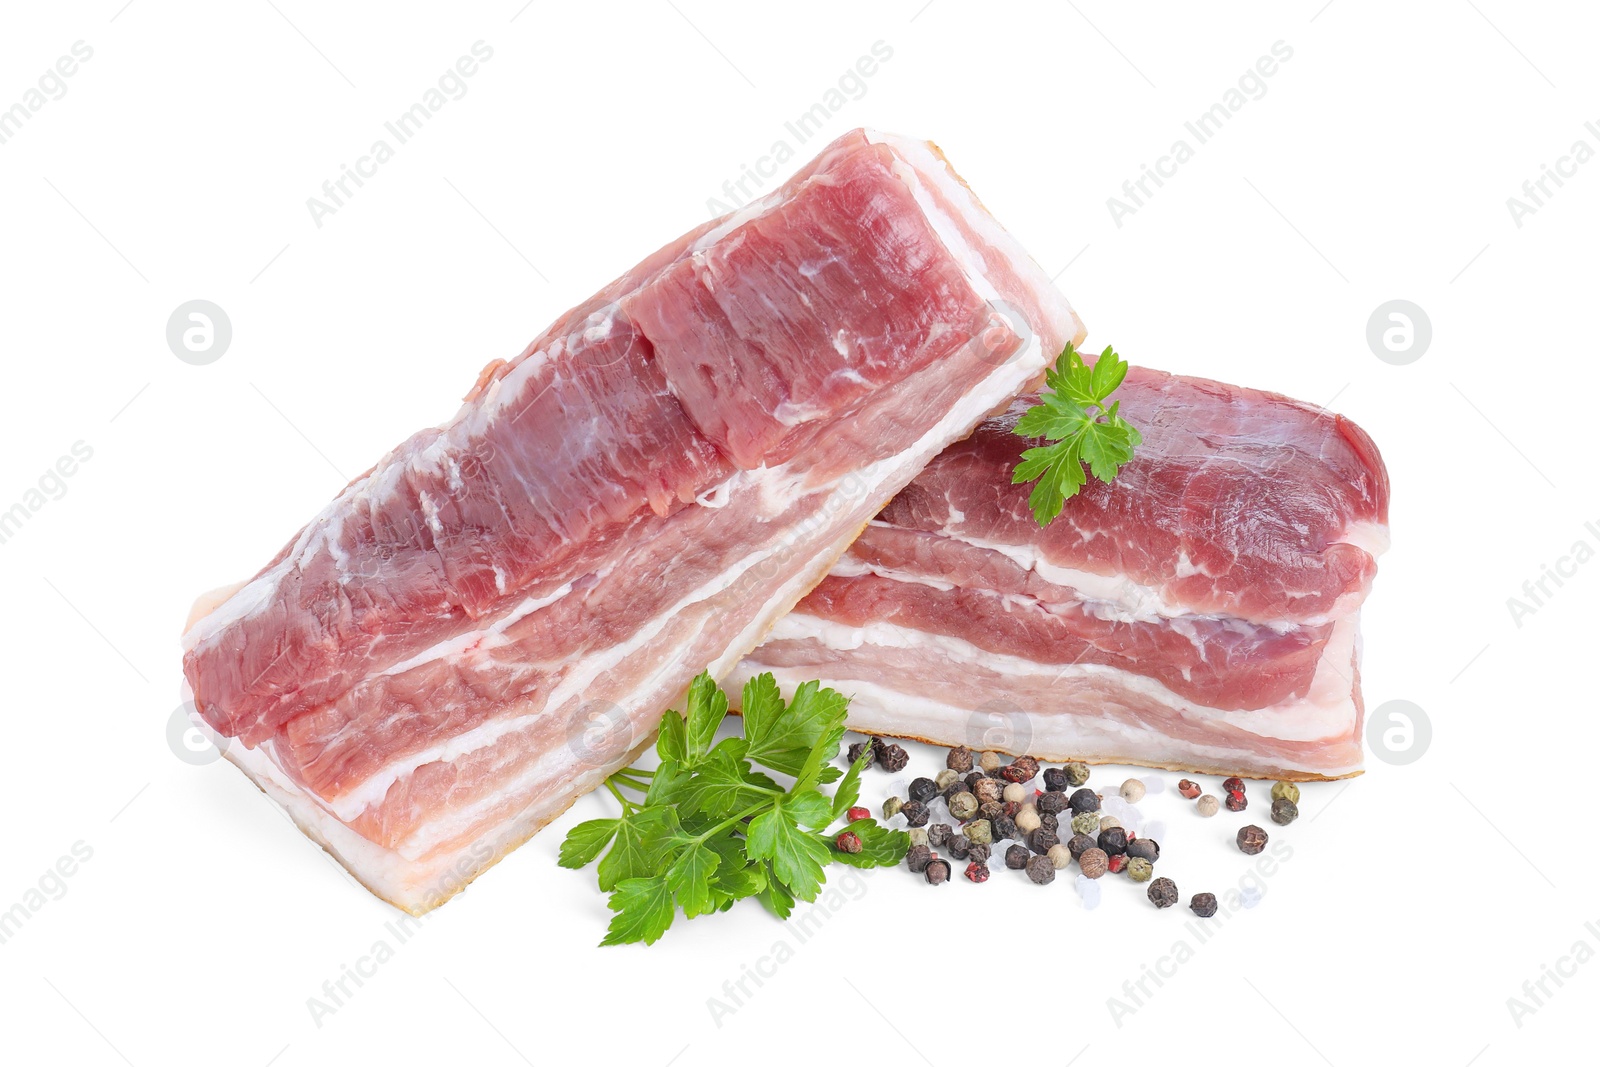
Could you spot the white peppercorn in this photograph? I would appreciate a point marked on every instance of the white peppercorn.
(989, 761)
(1133, 790)
(1014, 792)
(1208, 805)
(1060, 856)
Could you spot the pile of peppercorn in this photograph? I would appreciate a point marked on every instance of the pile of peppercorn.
(994, 801)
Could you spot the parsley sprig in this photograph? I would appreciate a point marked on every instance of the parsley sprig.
(1072, 413)
(705, 828)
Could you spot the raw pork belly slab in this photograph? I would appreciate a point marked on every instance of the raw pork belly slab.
(491, 620)
(1198, 613)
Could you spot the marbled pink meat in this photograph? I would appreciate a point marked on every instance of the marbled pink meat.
(1199, 612)
(492, 619)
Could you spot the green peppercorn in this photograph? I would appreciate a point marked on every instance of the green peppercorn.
(1041, 870)
(1208, 805)
(1077, 774)
(1084, 800)
(990, 761)
(1060, 857)
(1086, 823)
(1017, 857)
(959, 759)
(1163, 892)
(963, 806)
(918, 836)
(1140, 869)
(979, 831)
(892, 806)
(1251, 840)
(1078, 844)
(1093, 862)
(945, 779)
(1286, 791)
(1203, 904)
(1284, 811)
(1133, 790)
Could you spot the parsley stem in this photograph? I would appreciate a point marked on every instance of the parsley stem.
(628, 806)
(753, 809)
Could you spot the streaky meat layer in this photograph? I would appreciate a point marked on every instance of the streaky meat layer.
(488, 622)
(1199, 612)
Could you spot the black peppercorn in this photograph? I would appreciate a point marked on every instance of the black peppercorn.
(1163, 892)
(1050, 803)
(957, 786)
(991, 810)
(1144, 848)
(1021, 769)
(939, 834)
(977, 872)
(1284, 811)
(1251, 840)
(958, 845)
(1043, 840)
(1017, 857)
(937, 872)
(987, 789)
(892, 758)
(1055, 780)
(1113, 842)
(1078, 844)
(1041, 870)
(959, 759)
(916, 813)
(1084, 800)
(860, 747)
(1203, 904)
(978, 851)
(918, 856)
(1004, 828)
(1049, 821)
(923, 789)
(973, 779)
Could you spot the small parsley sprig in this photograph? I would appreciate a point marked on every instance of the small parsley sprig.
(705, 828)
(1072, 413)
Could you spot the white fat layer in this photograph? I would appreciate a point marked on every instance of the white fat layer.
(1323, 712)
(1060, 735)
(491, 636)
(1371, 537)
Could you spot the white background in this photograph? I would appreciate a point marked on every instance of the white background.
(1377, 165)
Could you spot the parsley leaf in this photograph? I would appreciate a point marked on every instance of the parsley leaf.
(1072, 413)
(705, 828)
